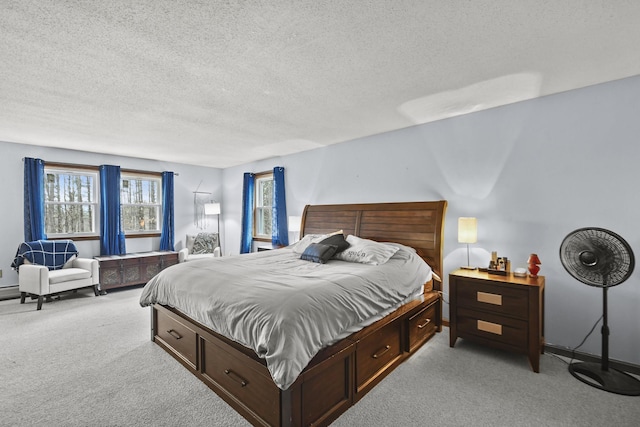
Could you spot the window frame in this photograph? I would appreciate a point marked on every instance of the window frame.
(98, 200)
(70, 169)
(130, 174)
(257, 204)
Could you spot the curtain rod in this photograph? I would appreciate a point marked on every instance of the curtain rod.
(81, 166)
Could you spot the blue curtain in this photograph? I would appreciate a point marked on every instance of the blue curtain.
(247, 213)
(279, 228)
(33, 200)
(111, 234)
(168, 229)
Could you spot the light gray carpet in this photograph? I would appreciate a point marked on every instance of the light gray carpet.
(89, 361)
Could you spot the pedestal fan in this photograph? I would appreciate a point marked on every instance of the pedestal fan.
(600, 258)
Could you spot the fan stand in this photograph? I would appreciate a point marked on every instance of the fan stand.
(601, 376)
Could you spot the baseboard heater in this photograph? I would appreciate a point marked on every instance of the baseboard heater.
(586, 357)
(9, 292)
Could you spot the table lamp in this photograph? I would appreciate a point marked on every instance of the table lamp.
(467, 233)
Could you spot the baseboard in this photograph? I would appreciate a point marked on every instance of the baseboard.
(9, 292)
(586, 357)
(583, 357)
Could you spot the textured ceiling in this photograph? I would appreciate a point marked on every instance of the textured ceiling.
(221, 83)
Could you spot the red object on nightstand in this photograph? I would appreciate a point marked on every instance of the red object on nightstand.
(534, 262)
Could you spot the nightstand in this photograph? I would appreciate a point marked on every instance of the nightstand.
(504, 312)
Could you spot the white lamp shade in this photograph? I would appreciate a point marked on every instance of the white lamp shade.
(467, 230)
(212, 209)
(294, 223)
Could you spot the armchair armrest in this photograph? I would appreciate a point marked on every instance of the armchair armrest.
(91, 265)
(33, 279)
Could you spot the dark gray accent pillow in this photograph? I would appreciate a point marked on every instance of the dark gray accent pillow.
(318, 252)
(336, 240)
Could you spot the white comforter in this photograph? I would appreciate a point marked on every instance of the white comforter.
(284, 308)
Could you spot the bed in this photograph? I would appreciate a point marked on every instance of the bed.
(334, 376)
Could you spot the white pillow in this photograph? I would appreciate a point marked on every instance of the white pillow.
(366, 251)
(302, 244)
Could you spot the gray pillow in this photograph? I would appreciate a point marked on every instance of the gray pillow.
(336, 240)
(318, 252)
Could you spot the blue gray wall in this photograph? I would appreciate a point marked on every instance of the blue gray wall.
(530, 172)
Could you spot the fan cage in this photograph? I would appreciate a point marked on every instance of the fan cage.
(597, 257)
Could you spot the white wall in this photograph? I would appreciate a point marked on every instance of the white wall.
(11, 209)
(530, 172)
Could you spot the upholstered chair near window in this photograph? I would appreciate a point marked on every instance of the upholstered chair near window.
(199, 246)
(48, 267)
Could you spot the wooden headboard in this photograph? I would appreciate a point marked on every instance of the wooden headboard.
(416, 224)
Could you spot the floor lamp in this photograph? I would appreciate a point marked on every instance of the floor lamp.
(467, 233)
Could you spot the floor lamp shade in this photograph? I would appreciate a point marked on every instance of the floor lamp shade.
(467, 233)
(212, 209)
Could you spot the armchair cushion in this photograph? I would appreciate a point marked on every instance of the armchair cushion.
(67, 275)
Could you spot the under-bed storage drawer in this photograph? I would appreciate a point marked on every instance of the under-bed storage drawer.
(376, 351)
(239, 378)
(422, 326)
(180, 338)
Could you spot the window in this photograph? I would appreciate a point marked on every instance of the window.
(263, 209)
(70, 201)
(140, 203)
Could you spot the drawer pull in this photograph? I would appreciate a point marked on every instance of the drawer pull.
(426, 322)
(174, 334)
(235, 377)
(494, 299)
(381, 351)
(492, 328)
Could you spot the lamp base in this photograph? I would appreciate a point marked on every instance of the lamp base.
(468, 267)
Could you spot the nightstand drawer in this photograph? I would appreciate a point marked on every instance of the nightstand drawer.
(510, 332)
(500, 299)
